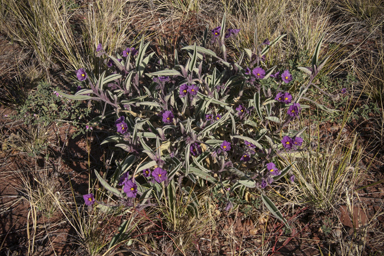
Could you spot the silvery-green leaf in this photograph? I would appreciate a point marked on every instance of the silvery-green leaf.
(305, 70)
(236, 171)
(248, 183)
(176, 58)
(107, 186)
(269, 72)
(283, 172)
(148, 135)
(273, 119)
(315, 57)
(75, 97)
(111, 78)
(166, 72)
(83, 92)
(251, 123)
(256, 100)
(134, 100)
(145, 196)
(148, 103)
(266, 102)
(112, 138)
(233, 124)
(215, 124)
(266, 49)
(187, 152)
(202, 96)
(200, 50)
(248, 52)
(140, 56)
(254, 142)
(200, 166)
(299, 132)
(144, 166)
(144, 63)
(203, 175)
(194, 59)
(213, 142)
(273, 209)
(128, 81)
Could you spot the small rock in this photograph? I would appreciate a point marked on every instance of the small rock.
(337, 232)
(253, 231)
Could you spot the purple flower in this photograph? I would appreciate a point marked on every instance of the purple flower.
(272, 169)
(231, 32)
(218, 117)
(247, 71)
(81, 74)
(287, 98)
(78, 88)
(259, 73)
(216, 31)
(193, 89)
(292, 178)
(208, 117)
(266, 42)
(263, 57)
(249, 144)
(121, 126)
(164, 78)
(89, 199)
(183, 90)
(99, 48)
(226, 146)
(110, 63)
(123, 179)
(245, 158)
(275, 75)
(126, 52)
(263, 184)
(130, 188)
(287, 142)
(229, 206)
(88, 127)
(298, 141)
(167, 117)
(159, 175)
(286, 76)
(280, 97)
(195, 149)
(294, 109)
(147, 173)
(344, 90)
(241, 110)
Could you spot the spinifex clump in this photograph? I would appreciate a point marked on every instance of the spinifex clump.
(205, 119)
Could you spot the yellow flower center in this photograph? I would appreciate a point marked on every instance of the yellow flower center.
(82, 75)
(194, 150)
(244, 155)
(287, 142)
(217, 118)
(146, 172)
(293, 111)
(286, 78)
(167, 118)
(132, 189)
(193, 90)
(286, 98)
(90, 199)
(271, 170)
(242, 110)
(224, 147)
(280, 98)
(216, 33)
(258, 74)
(122, 127)
(185, 91)
(159, 175)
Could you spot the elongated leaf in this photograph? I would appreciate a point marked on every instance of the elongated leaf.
(145, 165)
(194, 58)
(112, 138)
(273, 119)
(248, 183)
(117, 238)
(269, 72)
(75, 97)
(166, 72)
(105, 184)
(145, 196)
(256, 100)
(266, 49)
(215, 124)
(254, 142)
(201, 50)
(148, 103)
(111, 78)
(251, 123)
(305, 70)
(273, 209)
(144, 63)
(203, 175)
(149, 135)
(84, 92)
(283, 172)
(315, 57)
